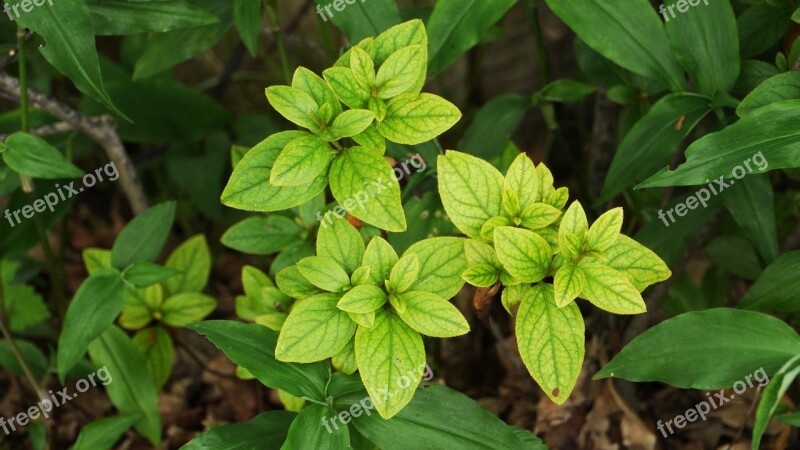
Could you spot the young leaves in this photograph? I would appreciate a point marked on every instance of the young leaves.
(316, 329)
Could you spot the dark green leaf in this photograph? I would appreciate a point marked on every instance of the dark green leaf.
(493, 125)
(751, 203)
(456, 26)
(359, 20)
(714, 348)
(122, 17)
(253, 347)
(266, 431)
(143, 237)
(736, 255)
(784, 86)
(760, 27)
(247, 16)
(778, 287)
(102, 434)
(565, 90)
(143, 274)
(632, 37)
(34, 357)
(778, 385)
(313, 429)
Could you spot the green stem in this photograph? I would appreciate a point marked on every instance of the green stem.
(536, 23)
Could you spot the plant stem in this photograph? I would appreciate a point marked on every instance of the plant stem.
(272, 14)
(536, 23)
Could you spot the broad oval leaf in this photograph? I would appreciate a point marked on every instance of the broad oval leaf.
(610, 290)
(315, 329)
(471, 191)
(415, 118)
(778, 287)
(524, 254)
(31, 155)
(432, 315)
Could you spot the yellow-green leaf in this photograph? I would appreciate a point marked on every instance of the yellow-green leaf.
(572, 231)
(415, 118)
(362, 299)
(315, 329)
(471, 191)
(324, 273)
(605, 230)
(610, 290)
(432, 315)
(399, 74)
(295, 105)
(551, 341)
(404, 274)
(524, 254)
(640, 264)
(187, 307)
(568, 284)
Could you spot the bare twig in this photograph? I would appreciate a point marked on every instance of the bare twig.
(47, 130)
(102, 130)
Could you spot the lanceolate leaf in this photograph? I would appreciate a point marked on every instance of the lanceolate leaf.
(751, 203)
(312, 428)
(716, 347)
(784, 86)
(771, 132)
(387, 353)
(551, 341)
(639, 41)
(778, 287)
(706, 42)
(142, 238)
(316, 329)
(95, 306)
(471, 191)
(266, 431)
(66, 27)
(103, 433)
(118, 17)
(778, 385)
(653, 140)
(31, 155)
(362, 20)
(247, 16)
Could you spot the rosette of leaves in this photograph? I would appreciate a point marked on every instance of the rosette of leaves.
(371, 95)
(367, 308)
(545, 258)
(174, 301)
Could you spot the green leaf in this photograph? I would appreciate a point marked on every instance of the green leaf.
(141, 305)
(315, 329)
(493, 125)
(248, 188)
(770, 399)
(752, 205)
(247, 16)
(359, 176)
(359, 20)
(292, 283)
(66, 27)
(639, 263)
(95, 306)
(351, 123)
(345, 360)
(342, 243)
(262, 235)
(481, 275)
(653, 140)
(266, 431)
(604, 232)
(565, 91)
(385, 353)
(456, 26)
(253, 347)
(523, 180)
(316, 87)
(551, 341)
(400, 72)
(415, 118)
(342, 81)
(362, 299)
(777, 288)
(155, 346)
(187, 307)
(769, 133)
(398, 37)
(441, 262)
(432, 315)
(568, 284)
(154, 223)
(295, 105)
(24, 307)
(193, 258)
(640, 43)
(427, 422)
(539, 215)
(363, 68)
(710, 58)
(404, 274)
(96, 259)
(143, 274)
(783, 86)
(301, 162)
(311, 429)
(130, 388)
(33, 156)
(524, 254)
(609, 290)
(324, 273)
(760, 27)
(572, 231)
(715, 347)
(471, 191)
(103, 433)
(380, 257)
(119, 17)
